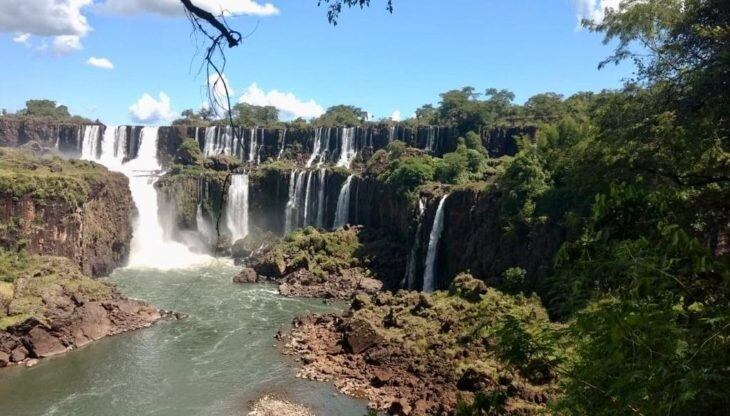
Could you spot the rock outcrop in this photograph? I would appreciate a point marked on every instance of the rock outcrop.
(74, 209)
(416, 354)
(50, 307)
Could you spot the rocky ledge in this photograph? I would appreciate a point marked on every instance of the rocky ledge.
(419, 354)
(50, 307)
(330, 265)
(269, 405)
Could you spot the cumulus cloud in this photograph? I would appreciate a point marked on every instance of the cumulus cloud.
(62, 20)
(396, 116)
(594, 10)
(102, 63)
(66, 44)
(175, 8)
(149, 111)
(288, 104)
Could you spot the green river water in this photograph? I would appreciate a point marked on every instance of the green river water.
(213, 363)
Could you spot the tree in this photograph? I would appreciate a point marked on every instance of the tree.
(427, 115)
(545, 107)
(253, 115)
(44, 108)
(342, 115)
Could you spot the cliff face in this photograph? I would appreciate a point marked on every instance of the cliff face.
(76, 210)
(15, 132)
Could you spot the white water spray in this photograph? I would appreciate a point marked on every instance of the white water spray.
(347, 147)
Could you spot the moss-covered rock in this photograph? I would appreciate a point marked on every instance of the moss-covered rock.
(426, 352)
(189, 154)
(70, 208)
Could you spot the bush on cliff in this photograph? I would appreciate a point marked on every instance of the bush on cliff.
(189, 153)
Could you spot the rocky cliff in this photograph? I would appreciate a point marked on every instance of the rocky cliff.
(74, 209)
(47, 307)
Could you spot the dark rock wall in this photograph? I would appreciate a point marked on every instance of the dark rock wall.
(299, 143)
(95, 236)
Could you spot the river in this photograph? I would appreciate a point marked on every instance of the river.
(213, 363)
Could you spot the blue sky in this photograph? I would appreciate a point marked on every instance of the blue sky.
(374, 60)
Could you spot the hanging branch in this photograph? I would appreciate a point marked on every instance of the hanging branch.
(215, 64)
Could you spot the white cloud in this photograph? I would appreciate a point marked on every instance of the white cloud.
(60, 19)
(288, 104)
(594, 10)
(66, 44)
(21, 38)
(148, 110)
(396, 116)
(175, 8)
(102, 63)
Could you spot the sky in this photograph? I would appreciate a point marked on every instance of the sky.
(135, 61)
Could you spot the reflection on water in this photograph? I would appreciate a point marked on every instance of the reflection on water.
(212, 363)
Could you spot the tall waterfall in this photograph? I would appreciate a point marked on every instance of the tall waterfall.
(237, 207)
(307, 200)
(290, 204)
(347, 147)
(90, 142)
(317, 148)
(283, 144)
(342, 215)
(296, 203)
(411, 264)
(150, 248)
(320, 197)
(429, 275)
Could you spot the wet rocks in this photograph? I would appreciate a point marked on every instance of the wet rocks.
(269, 405)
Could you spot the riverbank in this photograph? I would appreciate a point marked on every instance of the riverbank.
(420, 354)
(48, 307)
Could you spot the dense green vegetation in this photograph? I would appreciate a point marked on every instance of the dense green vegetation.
(45, 110)
(48, 178)
(640, 178)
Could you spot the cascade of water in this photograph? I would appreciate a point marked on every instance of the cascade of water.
(412, 256)
(429, 275)
(90, 142)
(307, 201)
(204, 227)
(347, 147)
(210, 139)
(342, 215)
(237, 207)
(291, 203)
(283, 144)
(261, 145)
(253, 146)
(391, 133)
(317, 146)
(150, 247)
(320, 197)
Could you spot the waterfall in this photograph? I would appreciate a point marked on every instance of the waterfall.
(290, 205)
(237, 207)
(150, 248)
(306, 198)
(320, 197)
(317, 147)
(347, 147)
(391, 133)
(113, 147)
(209, 145)
(90, 142)
(253, 146)
(429, 275)
(205, 228)
(222, 140)
(294, 205)
(283, 145)
(410, 276)
(342, 215)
